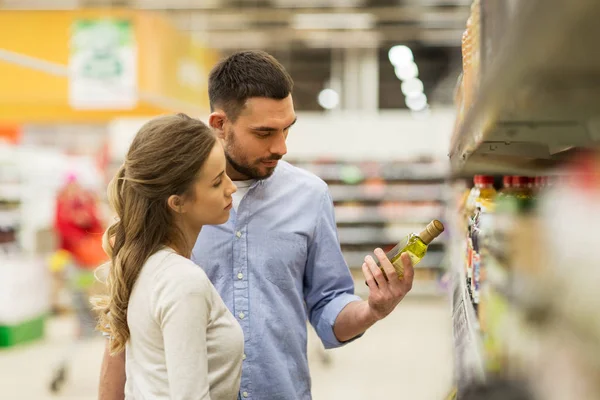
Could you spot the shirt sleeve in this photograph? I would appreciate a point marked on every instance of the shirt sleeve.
(328, 284)
(183, 322)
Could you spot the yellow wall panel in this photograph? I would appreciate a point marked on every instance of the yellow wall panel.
(165, 57)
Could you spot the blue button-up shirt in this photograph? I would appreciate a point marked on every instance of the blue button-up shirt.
(276, 263)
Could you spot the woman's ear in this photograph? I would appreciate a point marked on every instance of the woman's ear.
(217, 120)
(176, 204)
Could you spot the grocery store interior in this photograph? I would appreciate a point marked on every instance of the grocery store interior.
(482, 114)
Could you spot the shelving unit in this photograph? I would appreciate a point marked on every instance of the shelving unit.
(378, 203)
(534, 109)
(469, 360)
(10, 208)
(539, 95)
(21, 316)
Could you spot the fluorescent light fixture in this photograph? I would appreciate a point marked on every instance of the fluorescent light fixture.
(329, 99)
(412, 86)
(416, 102)
(406, 72)
(400, 55)
(328, 21)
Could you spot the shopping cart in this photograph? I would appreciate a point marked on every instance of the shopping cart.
(81, 284)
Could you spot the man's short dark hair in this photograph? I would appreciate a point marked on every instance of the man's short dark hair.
(244, 75)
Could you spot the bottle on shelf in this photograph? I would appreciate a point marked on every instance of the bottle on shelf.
(507, 186)
(487, 193)
(470, 204)
(522, 189)
(415, 245)
(484, 203)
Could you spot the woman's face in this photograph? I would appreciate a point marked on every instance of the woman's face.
(211, 200)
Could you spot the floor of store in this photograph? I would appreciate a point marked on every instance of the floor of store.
(408, 355)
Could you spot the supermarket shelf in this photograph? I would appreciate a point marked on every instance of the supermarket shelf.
(377, 236)
(468, 348)
(388, 172)
(414, 215)
(9, 218)
(387, 192)
(539, 97)
(432, 260)
(372, 218)
(10, 192)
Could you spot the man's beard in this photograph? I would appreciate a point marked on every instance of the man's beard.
(250, 172)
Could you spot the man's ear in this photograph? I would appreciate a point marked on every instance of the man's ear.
(217, 120)
(176, 204)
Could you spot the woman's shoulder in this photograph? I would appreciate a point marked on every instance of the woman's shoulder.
(177, 276)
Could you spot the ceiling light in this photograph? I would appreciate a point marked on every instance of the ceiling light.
(328, 99)
(400, 55)
(406, 72)
(416, 102)
(412, 86)
(328, 21)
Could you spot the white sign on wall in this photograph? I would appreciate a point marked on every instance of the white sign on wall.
(103, 65)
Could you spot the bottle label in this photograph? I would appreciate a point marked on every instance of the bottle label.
(398, 263)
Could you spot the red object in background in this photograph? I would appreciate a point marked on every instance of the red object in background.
(78, 227)
(10, 133)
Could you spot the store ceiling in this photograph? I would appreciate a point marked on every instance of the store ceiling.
(306, 34)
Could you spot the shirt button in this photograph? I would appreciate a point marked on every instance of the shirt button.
(240, 276)
(245, 394)
(238, 234)
(241, 315)
(244, 356)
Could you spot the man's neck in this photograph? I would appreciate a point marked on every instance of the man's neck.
(235, 175)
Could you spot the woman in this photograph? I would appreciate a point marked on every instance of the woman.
(181, 341)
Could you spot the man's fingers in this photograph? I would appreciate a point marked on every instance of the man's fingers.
(409, 270)
(369, 280)
(387, 266)
(378, 276)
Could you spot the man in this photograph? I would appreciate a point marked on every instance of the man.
(277, 261)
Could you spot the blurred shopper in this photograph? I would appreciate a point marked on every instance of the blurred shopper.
(180, 339)
(277, 261)
(79, 228)
(76, 220)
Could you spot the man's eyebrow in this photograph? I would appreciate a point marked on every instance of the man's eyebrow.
(271, 129)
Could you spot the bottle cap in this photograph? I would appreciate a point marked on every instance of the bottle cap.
(507, 181)
(487, 180)
(432, 230)
(520, 181)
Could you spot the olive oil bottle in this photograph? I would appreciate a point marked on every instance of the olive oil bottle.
(415, 245)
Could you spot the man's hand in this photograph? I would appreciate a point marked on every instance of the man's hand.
(384, 295)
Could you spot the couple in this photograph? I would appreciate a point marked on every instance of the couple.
(268, 252)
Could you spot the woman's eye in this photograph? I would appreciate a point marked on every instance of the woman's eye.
(218, 184)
